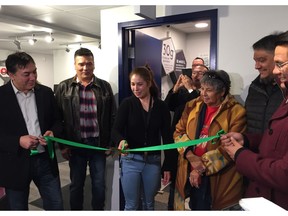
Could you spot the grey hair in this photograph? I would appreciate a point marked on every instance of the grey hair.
(219, 79)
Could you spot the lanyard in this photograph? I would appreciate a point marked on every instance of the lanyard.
(147, 119)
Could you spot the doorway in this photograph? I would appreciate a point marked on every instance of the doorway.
(127, 33)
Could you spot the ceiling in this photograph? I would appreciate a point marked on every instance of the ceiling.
(69, 24)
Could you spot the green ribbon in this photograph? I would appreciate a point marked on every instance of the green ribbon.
(179, 144)
(50, 139)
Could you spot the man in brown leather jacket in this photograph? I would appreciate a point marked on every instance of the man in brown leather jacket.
(88, 108)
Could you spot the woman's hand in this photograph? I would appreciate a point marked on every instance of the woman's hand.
(195, 178)
(195, 161)
(123, 145)
(166, 177)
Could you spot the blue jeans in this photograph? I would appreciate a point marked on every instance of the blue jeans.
(78, 162)
(47, 184)
(140, 179)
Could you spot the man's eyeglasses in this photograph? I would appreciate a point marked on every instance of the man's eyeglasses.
(280, 66)
(198, 72)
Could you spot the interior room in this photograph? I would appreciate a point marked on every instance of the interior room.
(24, 28)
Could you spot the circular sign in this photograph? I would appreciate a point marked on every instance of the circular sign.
(3, 71)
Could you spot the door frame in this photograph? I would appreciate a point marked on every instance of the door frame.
(125, 27)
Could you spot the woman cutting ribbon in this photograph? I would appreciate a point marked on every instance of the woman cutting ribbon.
(142, 121)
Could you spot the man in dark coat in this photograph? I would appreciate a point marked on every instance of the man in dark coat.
(264, 94)
(263, 158)
(28, 112)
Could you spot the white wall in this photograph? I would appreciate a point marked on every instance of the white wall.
(198, 45)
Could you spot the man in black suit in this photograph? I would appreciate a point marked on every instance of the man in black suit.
(28, 112)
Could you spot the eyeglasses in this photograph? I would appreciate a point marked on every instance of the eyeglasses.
(198, 72)
(280, 66)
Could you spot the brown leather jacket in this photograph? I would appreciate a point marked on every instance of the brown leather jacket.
(67, 96)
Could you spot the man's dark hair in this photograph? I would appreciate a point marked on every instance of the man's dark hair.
(282, 39)
(18, 60)
(199, 58)
(267, 43)
(83, 52)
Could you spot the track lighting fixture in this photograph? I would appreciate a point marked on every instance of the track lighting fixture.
(67, 49)
(17, 43)
(32, 40)
(49, 38)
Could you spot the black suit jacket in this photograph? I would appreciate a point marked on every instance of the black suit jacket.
(14, 160)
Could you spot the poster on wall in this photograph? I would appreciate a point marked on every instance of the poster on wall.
(168, 55)
(4, 78)
(180, 63)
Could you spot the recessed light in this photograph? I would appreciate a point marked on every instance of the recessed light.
(201, 25)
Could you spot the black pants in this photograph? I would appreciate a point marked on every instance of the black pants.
(200, 198)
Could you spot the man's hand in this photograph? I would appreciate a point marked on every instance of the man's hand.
(187, 82)
(226, 138)
(178, 84)
(232, 148)
(66, 153)
(29, 142)
(42, 141)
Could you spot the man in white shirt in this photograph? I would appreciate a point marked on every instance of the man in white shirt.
(28, 113)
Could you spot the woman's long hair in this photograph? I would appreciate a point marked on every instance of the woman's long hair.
(147, 74)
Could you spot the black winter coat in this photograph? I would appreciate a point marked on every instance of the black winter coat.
(261, 102)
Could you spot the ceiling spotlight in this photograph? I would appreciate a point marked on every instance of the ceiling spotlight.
(32, 40)
(49, 38)
(67, 49)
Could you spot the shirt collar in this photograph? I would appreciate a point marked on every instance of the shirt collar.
(78, 81)
(16, 90)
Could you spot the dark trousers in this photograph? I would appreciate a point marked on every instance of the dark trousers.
(47, 184)
(96, 160)
(200, 198)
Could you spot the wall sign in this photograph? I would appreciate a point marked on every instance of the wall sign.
(168, 55)
(180, 62)
(4, 78)
(3, 71)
